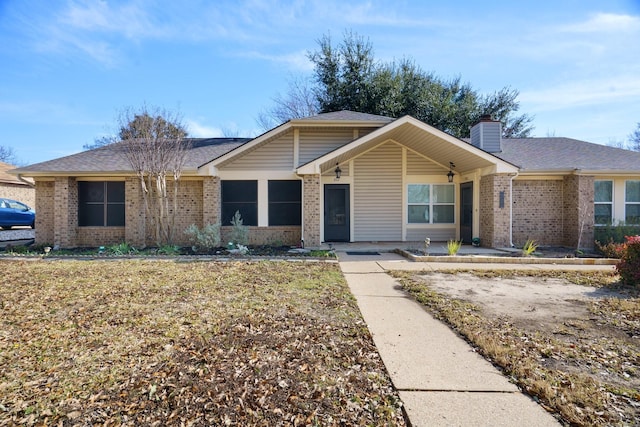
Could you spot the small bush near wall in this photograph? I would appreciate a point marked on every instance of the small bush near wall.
(615, 232)
(629, 266)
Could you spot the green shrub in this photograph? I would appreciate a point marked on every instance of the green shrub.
(629, 265)
(121, 249)
(169, 250)
(615, 232)
(239, 233)
(206, 239)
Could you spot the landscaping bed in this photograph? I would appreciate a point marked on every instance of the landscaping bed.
(569, 339)
(136, 342)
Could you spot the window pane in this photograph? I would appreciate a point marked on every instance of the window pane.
(602, 214)
(115, 192)
(285, 191)
(418, 214)
(443, 214)
(248, 212)
(632, 214)
(239, 191)
(443, 194)
(91, 191)
(418, 193)
(603, 191)
(240, 196)
(91, 215)
(632, 191)
(115, 215)
(285, 214)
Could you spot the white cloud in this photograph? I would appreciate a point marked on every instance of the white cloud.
(199, 130)
(583, 93)
(606, 23)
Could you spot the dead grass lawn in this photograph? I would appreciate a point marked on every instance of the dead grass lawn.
(168, 343)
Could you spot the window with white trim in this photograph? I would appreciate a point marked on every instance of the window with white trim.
(603, 202)
(632, 202)
(431, 203)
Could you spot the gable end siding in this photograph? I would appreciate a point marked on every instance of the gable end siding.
(314, 144)
(417, 165)
(378, 194)
(275, 155)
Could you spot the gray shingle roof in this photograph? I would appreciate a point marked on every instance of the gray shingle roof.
(546, 154)
(346, 115)
(112, 158)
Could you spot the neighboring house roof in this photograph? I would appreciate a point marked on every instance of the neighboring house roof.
(566, 154)
(112, 158)
(346, 116)
(6, 178)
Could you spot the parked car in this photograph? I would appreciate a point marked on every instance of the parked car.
(14, 213)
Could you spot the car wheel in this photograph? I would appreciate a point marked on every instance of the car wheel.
(6, 227)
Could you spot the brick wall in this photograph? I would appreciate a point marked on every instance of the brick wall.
(65, 206)
(211, 200)
(578, 211)
(277, 235)
(100, 236)
(134, 214)
(538, 212)
(20, 192)
(495, 225)
(311, 210)
(44, 205)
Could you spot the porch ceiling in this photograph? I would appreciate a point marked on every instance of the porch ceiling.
(421, 138)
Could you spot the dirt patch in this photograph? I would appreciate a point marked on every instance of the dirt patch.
(529, 302)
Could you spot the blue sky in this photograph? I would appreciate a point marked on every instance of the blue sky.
(68, 67)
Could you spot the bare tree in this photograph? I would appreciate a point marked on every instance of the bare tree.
(300, 101)
(7, 154)
(634, 139)
(156, 149)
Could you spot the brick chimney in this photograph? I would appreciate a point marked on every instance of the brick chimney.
(487, 134)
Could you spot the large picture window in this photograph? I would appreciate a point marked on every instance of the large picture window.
(240, 196)
(101, 203)
(431, 203)
(632, 202)
(285, 202)
(603, 199)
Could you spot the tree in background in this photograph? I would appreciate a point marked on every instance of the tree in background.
(155, 146)
(347, 77)
(299, 102)
(634, 139)
(7, 155)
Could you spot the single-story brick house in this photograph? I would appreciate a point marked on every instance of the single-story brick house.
(13, 188)
(347, 176)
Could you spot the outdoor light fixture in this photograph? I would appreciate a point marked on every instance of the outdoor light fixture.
(338, 171)
(450, 174)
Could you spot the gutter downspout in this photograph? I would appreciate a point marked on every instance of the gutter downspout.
(511, 209)
(30, 184)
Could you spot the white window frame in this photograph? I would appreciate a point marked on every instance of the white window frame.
(431, 204)
(610, 203)
(627, 203)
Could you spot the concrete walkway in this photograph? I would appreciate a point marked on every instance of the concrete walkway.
(440, 378)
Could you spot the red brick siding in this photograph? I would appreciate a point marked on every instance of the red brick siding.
(537, 212)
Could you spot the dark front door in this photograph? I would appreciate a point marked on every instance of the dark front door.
(336, 213)
(466, 212)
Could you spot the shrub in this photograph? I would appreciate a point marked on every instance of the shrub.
(121, 249)
(206, 239)
(529, 247)
(239, 233)
(453, 246)
(629, 265)
(615, 232)
(611, 249)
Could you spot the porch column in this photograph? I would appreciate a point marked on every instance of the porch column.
(45, 207)
(211, 200)
(311, 190)
(65, 219)
(135, 224)
(578, 211)
(495, 202)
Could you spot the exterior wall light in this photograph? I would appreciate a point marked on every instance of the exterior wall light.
(338, 171)
(450, 174)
